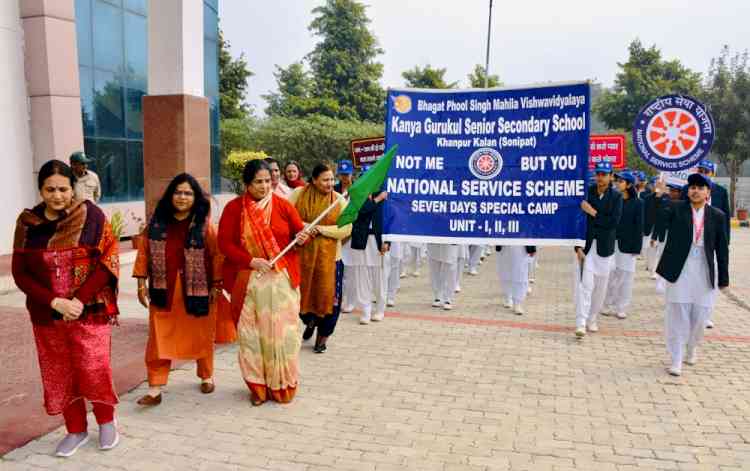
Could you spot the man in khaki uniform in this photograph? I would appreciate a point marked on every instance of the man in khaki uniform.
(87, 185)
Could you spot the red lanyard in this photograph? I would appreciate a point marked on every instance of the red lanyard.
(698, 227)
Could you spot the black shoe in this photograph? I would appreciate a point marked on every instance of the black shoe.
(309, 331)
(320, 348)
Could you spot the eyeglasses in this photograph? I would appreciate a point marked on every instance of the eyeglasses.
(187, 194)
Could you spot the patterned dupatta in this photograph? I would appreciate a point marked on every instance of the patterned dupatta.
(257, 237)
(70, 249)
(195, 281)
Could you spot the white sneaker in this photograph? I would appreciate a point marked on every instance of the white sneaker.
(390, 303)
(653, 276)
(621, 315)
(528, 291)
(447, 307)
(437, 303)
(674, 371)
(580, 332)
(416, 273)
(473, 272)
(532, 280)
(70, 444)
(692, 357)
(402, 275)
(593, 327)
(347, 309)
(364, 319)
(709, 324)
(518, 309)
(607, 311)
(378, 317)
(458, 289)
(508, 304)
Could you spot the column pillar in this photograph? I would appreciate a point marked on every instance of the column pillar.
(175, 112)
(51, 64)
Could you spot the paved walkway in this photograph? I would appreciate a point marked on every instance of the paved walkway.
(473, 389)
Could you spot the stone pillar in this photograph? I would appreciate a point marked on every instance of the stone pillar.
(51, 63)
(176, 134)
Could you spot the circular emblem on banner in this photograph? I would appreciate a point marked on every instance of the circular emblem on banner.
(673, 132)
(402, 104)
(485, 163)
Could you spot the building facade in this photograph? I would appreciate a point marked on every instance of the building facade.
(77, 74)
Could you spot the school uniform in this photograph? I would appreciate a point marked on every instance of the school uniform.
(475, 258)
(694, 265)
(591, 278)
(392, 269)
(628, 247)
(652, 205)
(512, 263)
(414, 256)
(463, 258)
(364, 277)
(443, 260)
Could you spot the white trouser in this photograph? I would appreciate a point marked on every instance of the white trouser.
(475, 254)
(590, 290)
(532, 267)
(347, 290)
(443, 277)
(619, 290)
(683, 327)
(413, 257)
(514, 291)
(367, 282)
(459, 272)
(655, 256)
(392, 269)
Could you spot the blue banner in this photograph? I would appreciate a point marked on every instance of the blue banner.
(496, 166)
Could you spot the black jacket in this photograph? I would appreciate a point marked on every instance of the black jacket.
(679, 222)
(651, 207)
(719, 200)
(660, 226)
(369, 221)
(603, 227)
(530, 249)
(630, 228)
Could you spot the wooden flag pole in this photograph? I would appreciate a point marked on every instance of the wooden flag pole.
(314, 223)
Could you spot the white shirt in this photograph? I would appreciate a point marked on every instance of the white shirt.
(88, 187)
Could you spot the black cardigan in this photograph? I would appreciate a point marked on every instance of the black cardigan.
(630, 228)
(603, 227)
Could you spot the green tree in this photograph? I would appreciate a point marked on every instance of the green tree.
(427, 77)
(727, 93)
(343, 63)
(642, 78)
(294, 97)
(476, 78)
(233, 75)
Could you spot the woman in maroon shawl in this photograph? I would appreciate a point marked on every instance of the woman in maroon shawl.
(65, 260)
(293, 175)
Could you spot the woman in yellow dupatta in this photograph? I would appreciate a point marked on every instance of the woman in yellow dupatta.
(320, 260)
(254, 228)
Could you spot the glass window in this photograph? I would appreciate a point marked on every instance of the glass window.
(215, 170)
(136, 46)
(108, 40)
(112, 166)
(138, 6)
(213, 4)
(86, 76)
(210, 23)
(83, 32)
(211, 69)
(135, 170)
(108, 104)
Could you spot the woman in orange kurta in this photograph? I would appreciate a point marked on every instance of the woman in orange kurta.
(179, 257)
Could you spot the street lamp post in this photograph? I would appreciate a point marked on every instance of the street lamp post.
(487, 62)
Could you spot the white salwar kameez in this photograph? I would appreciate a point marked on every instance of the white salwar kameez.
(443, 265)
(620, 284)
(513, 270)
(463, 257)
(392, 268)
(689, 302)
(591, 286)
(364, 278)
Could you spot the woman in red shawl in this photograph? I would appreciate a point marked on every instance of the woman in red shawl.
(65, 259)
(254, 228)
(293, 175)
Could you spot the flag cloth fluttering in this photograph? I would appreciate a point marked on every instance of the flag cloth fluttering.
(366, 185)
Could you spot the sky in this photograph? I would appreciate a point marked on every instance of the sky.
(532, 40)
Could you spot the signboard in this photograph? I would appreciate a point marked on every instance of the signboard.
(607, 148)
(367, 151)
(673, 132)
(495, 166)
(677, 178)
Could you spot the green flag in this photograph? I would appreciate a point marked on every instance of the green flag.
(366, 185)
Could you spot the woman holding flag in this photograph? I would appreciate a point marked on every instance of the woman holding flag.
(253, 230)
(322, 269)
